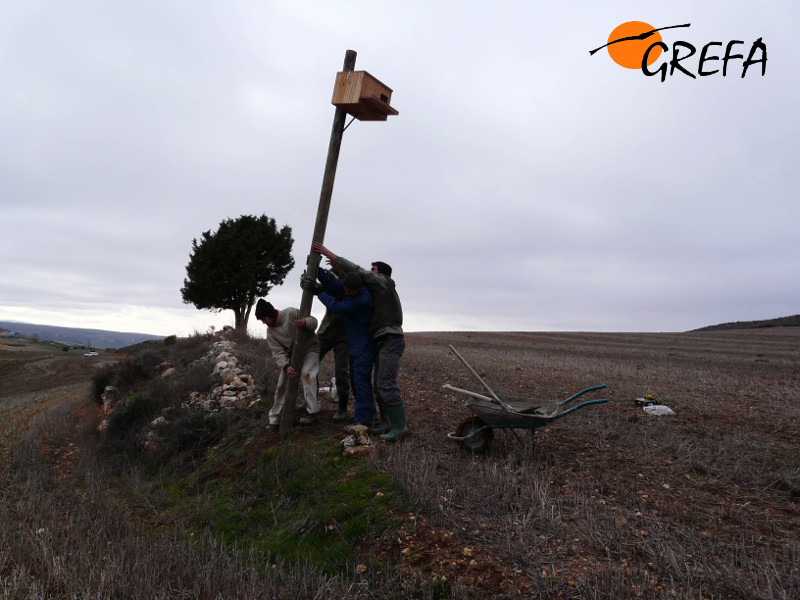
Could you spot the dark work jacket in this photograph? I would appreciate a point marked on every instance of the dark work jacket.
(387, 317)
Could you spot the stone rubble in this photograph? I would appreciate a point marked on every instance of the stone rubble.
(358, 443)
(238, 388)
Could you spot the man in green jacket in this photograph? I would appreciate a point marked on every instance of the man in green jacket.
(387, 330)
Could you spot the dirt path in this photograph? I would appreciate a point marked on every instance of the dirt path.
(33, 381)
(46, 367)
(17, 411)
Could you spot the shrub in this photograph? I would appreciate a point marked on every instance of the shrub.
(255, 353)
(188, 436)
(198, 377)
(147, 396)
(100, 381)
(126, 422)
(187, 350)
(133, 372)
(126, 376)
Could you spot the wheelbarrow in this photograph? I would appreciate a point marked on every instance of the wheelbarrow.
(490, 412)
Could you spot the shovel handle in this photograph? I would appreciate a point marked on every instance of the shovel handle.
(495, 399)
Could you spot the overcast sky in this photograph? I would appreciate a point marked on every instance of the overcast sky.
(525, 185)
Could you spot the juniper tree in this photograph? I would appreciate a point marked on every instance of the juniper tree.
(234, 266)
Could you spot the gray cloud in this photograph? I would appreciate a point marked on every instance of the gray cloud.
(524, 185)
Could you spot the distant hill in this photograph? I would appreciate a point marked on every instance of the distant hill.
(793, 321)
(97, 338)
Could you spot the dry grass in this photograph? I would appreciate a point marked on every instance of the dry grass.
(69, 530)
(608, 503)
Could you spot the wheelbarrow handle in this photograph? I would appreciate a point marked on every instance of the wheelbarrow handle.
(579, 406)
(581, 393)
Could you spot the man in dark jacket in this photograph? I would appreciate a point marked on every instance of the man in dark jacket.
(355, 306)
(387, 330)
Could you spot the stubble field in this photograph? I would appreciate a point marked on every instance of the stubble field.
(609, 502)
(613, 502)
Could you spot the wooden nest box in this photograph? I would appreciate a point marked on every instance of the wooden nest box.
(361, 95)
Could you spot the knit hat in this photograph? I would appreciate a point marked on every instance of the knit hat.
(352, 281)
(383, 268)
(264, 310)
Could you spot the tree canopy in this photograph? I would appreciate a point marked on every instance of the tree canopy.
(240, 262)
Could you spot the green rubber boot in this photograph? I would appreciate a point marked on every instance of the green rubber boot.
(385, 424)
(341, 414)
(397, 415)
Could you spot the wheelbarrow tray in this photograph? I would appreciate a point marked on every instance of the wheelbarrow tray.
(527, 413)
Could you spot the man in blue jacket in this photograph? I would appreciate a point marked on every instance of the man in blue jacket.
(356, 308)
(387, 330)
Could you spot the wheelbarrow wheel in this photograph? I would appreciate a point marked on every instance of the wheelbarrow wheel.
(476, 442)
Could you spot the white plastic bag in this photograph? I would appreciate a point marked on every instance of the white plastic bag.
(658, 410)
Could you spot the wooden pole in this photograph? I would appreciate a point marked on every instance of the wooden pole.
(312, 262)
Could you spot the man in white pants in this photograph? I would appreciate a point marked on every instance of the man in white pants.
(281, 334)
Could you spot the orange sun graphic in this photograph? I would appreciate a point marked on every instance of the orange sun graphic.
(626, 46)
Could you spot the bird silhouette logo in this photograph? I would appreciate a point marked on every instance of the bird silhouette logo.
(628, 44)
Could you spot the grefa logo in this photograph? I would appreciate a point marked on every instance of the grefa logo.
(638, 45)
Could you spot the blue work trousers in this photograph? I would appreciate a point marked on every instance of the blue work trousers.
(361, 384)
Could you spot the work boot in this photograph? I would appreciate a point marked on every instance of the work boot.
(397, 415)
(341, 414)
(309, 419)
(385, 424)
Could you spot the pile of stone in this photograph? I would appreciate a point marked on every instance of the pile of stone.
(358, 443)
(237, 390)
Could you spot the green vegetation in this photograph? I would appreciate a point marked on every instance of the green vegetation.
(296, 504)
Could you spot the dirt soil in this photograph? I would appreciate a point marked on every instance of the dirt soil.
(704, 501)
